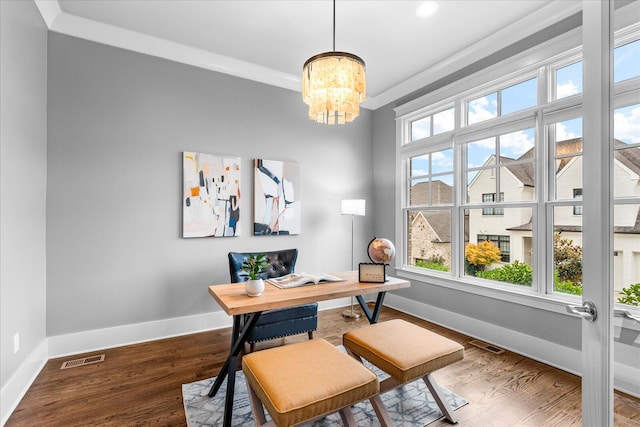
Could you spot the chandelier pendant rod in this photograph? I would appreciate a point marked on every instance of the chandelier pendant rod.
(334, 25)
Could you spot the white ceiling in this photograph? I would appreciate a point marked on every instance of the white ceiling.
(268, 41)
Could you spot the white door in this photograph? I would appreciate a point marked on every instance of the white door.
(597, 261)
(606, 207)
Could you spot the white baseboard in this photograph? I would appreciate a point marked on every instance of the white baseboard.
(21, 380)
(100, 339)
(547, 352)
(553, 354)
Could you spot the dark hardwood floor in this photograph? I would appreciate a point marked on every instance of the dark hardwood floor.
(140, 385)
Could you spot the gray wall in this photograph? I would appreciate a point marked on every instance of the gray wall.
(118, 123)
(23, 169)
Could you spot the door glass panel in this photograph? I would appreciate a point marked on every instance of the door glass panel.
(626, 61)
(567, 249)
(568, 157)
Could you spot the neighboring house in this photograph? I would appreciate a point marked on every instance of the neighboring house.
(510, 228)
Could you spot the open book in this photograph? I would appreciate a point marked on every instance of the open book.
(301, 279)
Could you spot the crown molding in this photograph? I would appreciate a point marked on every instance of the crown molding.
(64, 23)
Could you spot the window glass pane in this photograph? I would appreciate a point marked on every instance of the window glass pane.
(483, 108)
(500, 247)
(438, 191)
(432, 179)
(429, 239)
(421, 128)
(626, 61)
(480, 152)
(568, 130)
(567, 251)
(419, 165)
(518, 97)
(626, 255)
(626, 124)
(626, 167)
(442, 161)
(443, 121)
(517, 182)
(568, 158)
(517, 145)
(569, 80)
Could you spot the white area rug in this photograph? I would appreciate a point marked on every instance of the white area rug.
(409, 406)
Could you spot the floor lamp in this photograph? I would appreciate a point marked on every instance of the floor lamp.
(353, 207)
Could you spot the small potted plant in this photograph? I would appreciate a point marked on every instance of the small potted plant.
(253, 266)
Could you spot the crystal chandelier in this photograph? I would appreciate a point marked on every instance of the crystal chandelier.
(334, 84)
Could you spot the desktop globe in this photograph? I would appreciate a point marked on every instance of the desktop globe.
(381, 250)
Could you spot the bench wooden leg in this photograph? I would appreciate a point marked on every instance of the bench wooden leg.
(381, 411)
(310, 335)
(441, 400)
(348, 420)
(256, 408)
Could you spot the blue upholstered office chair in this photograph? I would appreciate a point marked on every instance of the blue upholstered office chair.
(282, 322)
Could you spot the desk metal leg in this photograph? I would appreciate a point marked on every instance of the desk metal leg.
(238, 338)
(372, 317)
(235, 333)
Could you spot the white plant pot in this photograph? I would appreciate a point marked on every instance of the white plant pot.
(254, 287)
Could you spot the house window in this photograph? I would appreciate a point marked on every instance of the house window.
(508, 169)
(577, 195)
(490, 198)
(502, 242)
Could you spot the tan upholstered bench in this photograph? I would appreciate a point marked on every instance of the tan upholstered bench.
(406, 352)
(307, 380)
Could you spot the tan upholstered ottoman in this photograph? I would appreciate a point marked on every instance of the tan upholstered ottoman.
(407, 352)
(307, 380)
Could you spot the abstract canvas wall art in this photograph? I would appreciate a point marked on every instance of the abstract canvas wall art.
(211, 201)
(276, 198)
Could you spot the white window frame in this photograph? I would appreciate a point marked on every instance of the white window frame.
(540, 62)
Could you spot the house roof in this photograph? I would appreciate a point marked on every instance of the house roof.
(442, 193)
(525, 173)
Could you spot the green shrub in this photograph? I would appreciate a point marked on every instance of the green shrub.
(630, 295)
(568, 287)
(432, 264)
(517, 273)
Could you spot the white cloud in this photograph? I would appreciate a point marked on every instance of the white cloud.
(626, 124)
(562, 133)
(515, 144)
(482, 109)
(567, 89)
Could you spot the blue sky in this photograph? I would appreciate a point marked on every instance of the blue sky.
(522, 96)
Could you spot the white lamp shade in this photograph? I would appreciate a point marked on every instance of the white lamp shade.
(353, 207)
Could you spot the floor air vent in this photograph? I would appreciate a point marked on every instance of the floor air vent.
(487, 346)
(81, 362)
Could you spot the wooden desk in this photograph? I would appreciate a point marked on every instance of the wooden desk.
(234, 300)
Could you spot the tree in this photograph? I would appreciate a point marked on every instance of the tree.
(482, 254)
